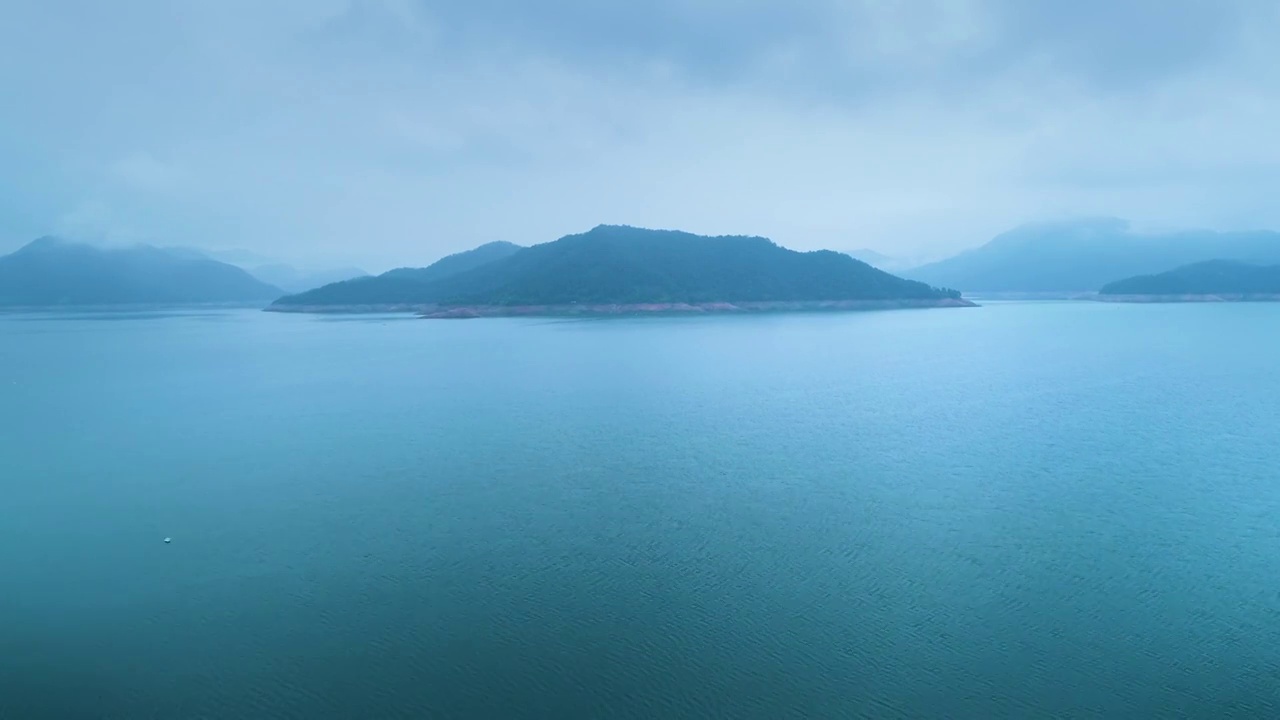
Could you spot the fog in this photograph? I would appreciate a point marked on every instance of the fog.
(391, 132)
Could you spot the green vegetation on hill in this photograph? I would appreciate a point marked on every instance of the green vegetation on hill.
(1084, 255)
(1214, 277)
(402, 286)
(626, 265)
(879, 260)
(613, 264)
(49, 271)
(457, 262)
(271, 271)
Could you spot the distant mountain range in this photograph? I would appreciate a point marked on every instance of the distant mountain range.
(282, 275)
(880, 261)
(402, 286)
(293, 280)
(50, 271)
(1082, 256)
(1221, 279)
(619, 265)
(456, 263)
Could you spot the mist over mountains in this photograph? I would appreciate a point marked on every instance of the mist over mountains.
(54, 272)
(622, 264)
(1084, 255)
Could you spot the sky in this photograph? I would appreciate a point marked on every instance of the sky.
(391, 132)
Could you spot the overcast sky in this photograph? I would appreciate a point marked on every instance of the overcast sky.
(390, 132)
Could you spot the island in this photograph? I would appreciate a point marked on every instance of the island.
(616, 269)
(1209, 281)
(52, 272)
(404, 289)
(1074, 258)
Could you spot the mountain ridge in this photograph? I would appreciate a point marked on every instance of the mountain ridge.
(618, 265)
(1084, 255)
(1220, 279)
(400, 286)
(52, 271)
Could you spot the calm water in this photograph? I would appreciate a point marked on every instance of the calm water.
(1025, 510)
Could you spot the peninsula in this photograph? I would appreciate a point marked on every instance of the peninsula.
(1210, 281)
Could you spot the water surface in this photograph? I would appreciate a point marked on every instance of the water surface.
(1024, 510)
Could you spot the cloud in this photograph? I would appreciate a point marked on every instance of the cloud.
(93, 220)
(387, 132)
(141, 171)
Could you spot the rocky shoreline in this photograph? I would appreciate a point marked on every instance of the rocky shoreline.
(479, 311)
(352, 309)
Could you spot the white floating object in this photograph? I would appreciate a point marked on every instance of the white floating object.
(168, 540)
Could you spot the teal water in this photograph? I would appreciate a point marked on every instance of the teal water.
(1027, 510)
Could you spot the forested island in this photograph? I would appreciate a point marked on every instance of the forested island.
(618, 269)
(1210, 281)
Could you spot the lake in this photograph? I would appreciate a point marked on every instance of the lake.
(1024, 510)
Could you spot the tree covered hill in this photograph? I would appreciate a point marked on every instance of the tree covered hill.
(1213, 277)
(613, 264)
(50, 271)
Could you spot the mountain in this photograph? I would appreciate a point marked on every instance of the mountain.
(239, 257)
(879, 260)
(402, 286)
(1085, 255)
(272, 272)
(618, 265)
(1214, 277)
(872, 258)
(292, 280)
(49, 271)
(457, 263)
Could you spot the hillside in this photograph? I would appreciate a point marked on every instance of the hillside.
(871, 257)
(402, 286)
(1084, 255)
(457, 263)
(880, 261)
(50, 271)
(289, 278)
(1221, 278)
(625, 265)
